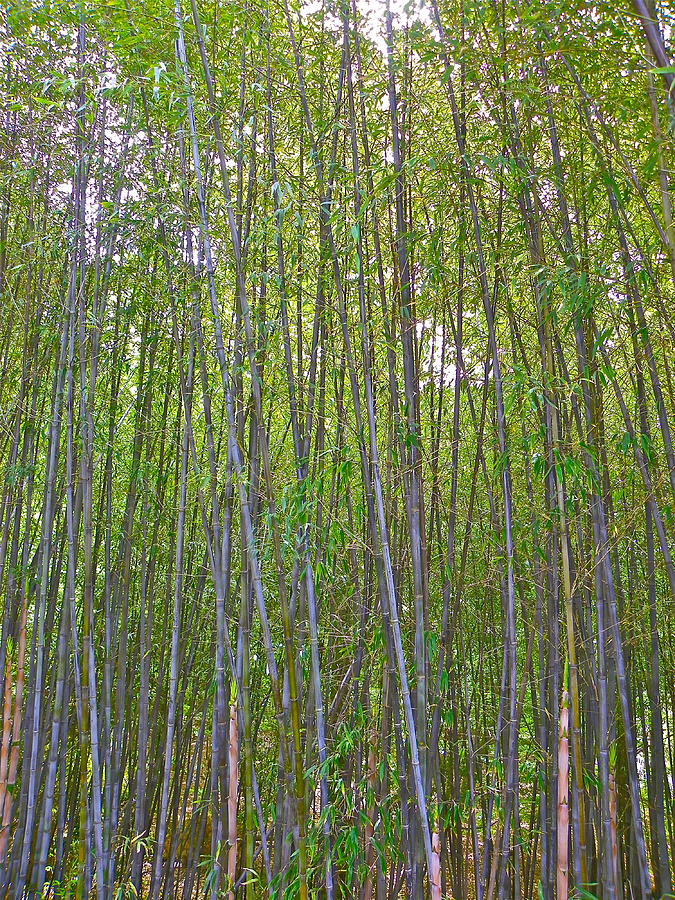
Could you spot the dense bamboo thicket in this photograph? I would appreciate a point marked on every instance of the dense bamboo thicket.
(337, 398)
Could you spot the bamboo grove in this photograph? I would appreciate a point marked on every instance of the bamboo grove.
(337, 399)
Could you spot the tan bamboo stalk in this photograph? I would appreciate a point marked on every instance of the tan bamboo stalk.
(4, 750)
(569, 612)
(613, 822)
(370, 824)
(563, 865)
(435, 874)
(16, 733)
(232, 801)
